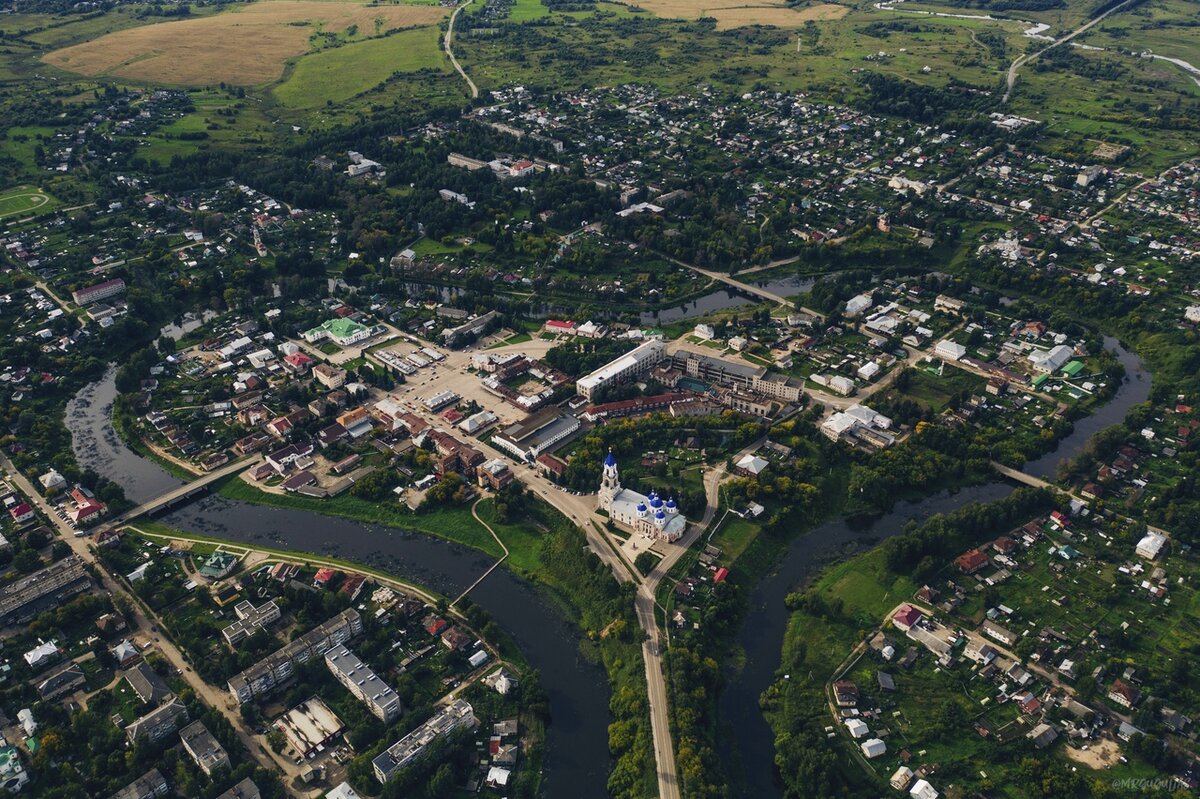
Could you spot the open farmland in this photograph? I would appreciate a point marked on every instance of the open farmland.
(343, 72)
(729, 15)
(247, 46)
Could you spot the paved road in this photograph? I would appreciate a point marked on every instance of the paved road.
(748, 288)
(1027, 57)
(147, 622)
(448, 45)
(162, 500)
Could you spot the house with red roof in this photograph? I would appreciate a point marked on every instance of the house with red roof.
(1123, 694)
(906, 617)
(21, 513)
(89, 513)
(1004, 545)
(323, 576)
(972, 561)
(297, 363)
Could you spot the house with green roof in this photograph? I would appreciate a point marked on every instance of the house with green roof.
(342, 332)
(1073, 368)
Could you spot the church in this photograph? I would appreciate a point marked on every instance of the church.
(651, 516)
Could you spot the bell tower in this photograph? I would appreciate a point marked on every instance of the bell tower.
(610, 483)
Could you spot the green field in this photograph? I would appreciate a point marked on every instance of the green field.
(339, 74)
(24, 200)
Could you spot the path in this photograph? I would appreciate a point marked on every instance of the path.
(502, 558)
(645, 605)
(1021, 60)
(42, 287)
(448, 46)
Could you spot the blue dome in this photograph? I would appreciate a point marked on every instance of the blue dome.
(656, 501)
(641, 508)
(660, 514)
(611, 460)
(671, 502)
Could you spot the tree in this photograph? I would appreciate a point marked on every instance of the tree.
(645, 562)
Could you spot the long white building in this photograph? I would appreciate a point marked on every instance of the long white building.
(630, 365)
(360, 680)
(455, 716)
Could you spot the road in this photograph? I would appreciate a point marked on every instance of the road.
(1027, 57)
(42, 287)
(748, 288)
(646, 608)
(448, 45)
(162, 500)
(148, 623)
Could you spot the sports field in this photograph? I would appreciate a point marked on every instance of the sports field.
(247, 46)
(23, 200)
(730, 14)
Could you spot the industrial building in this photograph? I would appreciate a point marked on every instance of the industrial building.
(310, 726)
(529, 438)
(26, 597)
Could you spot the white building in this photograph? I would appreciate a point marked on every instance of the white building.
(901, 778)
(873, 748)
(857, 728)
(633, 364)
(921, 789)
(649, 516)
(342, 791)
(856, 306)
(949, 350)
(1151, 545)
(860, 423)
(868, 371)
(1048, 361)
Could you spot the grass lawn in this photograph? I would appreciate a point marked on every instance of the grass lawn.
(734, 536)
(523, 539)
(453, 524)
(936, 392)
(520, 338)
(526, 10)
(338, 74)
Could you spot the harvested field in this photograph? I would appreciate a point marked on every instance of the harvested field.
(245, 46)
(729, 15)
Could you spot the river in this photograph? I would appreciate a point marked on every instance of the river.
(577, 760)
(750, 755)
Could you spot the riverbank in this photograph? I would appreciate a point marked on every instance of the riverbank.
(553, 640)
(752, 760)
